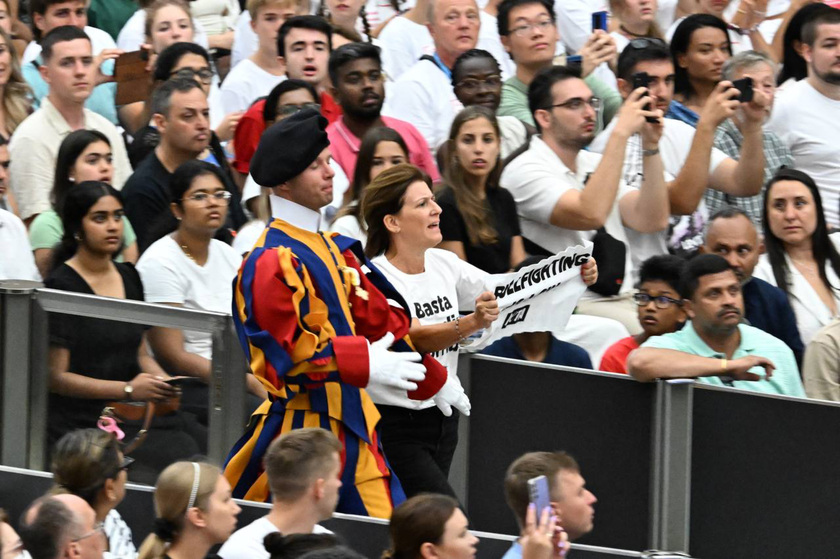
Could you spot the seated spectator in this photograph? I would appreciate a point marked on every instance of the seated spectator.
(821, 366)
(428, 526)
(564, 194)
(289, 97)
(218, 18)
(246, 41)
(571, 501)
(7, 199)
(15, 94)
(88, 463)
(788, 42)
(476, 80)
(479, 221)
(528, 31)
(292, 546)
(255, 76)
(84, 155)
(134, 33)
(633, 20)
(805, 109)
(302, 470)
(699, 48)
(189, 268)
(194, 511)
(355, 71)
(304, 43)
(800, 258)
(36, 141)
(18, 261)
(423, 94)
(692, 163)
(730, 137)
(660, 308)
(94, 361)
(405, 38)
(731, 234)
(180, 114)
(714, 347)
(48, 15)
(381, 149)
(539, 347)
(61, 526)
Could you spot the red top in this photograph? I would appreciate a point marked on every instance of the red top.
(615, 358)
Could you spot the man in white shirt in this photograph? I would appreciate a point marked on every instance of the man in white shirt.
(807, 112)
(255, 76)
(564, 193)
(246, 42)
(303, 468)
(691, 162)
(423, 95)
(69, 70)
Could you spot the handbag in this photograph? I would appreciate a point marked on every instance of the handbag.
(139, 412)
(611, 255)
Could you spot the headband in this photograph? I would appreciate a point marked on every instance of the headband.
(196, 480)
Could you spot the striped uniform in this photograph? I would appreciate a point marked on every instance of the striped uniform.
(303, 308)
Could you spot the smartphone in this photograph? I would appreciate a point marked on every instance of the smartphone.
(134, 83)
(574, 60)
(642, 79)
(745, 86)
(599, 20)
(538, 492)
(180, 381)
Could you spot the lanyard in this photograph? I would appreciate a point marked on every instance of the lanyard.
(442, 66)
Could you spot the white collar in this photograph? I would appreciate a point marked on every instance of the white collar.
(295, 214)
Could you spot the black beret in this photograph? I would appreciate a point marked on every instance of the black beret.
(288, 147)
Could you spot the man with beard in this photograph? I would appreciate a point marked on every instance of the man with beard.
(564, 194)
(732, 235)
(714, 346)
(358, 82)
(807, 112)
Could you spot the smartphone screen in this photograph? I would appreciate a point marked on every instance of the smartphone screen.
(599, 20)
(538, 490)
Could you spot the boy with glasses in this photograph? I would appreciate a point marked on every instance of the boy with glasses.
(659, 306)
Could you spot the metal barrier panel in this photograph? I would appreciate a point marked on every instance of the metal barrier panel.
(603, 420)
(765, 476)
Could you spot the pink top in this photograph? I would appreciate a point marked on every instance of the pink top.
(344, 146)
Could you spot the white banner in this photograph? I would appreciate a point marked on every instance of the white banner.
(538, 298)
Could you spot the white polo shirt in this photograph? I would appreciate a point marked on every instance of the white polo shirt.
(537, 179)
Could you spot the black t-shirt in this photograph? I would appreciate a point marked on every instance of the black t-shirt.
(492, 258)
(99, 348)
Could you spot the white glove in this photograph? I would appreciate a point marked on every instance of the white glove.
(401, 370)
(452, 395)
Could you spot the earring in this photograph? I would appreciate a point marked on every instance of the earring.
(78, 237)
(71, 179)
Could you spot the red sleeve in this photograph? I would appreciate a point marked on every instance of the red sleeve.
(247, 135)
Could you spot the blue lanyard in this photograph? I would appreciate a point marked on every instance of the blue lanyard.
(442, 66)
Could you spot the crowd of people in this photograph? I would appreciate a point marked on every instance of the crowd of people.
(348, 179)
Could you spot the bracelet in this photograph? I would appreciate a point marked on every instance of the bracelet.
(458, 329)
(723, 364)
(649, 152)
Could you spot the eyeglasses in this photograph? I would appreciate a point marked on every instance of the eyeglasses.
(204, 74)
(474, 84)
(222, 197)
(289, 110)
(661, 301)
(98, 528)
(523, 30)
(577, 104)
(127, 461)
(645, 42)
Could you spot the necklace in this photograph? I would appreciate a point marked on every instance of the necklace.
(185, 248)
(628, 32)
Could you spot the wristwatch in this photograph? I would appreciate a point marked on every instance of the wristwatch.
(129, 390)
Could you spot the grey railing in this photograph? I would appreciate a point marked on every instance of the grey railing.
(25, 371)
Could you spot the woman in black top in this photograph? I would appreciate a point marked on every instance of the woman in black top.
(479, 221)
(94, 361)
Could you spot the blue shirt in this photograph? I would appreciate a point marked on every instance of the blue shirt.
(515, 551)
(785, 379)
(559, 353)
(678, 111)
(101, 100)
(766, 307)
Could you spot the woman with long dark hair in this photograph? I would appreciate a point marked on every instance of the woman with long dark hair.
(479, 221)
(84, 155)
(89, 463)
(699, 47)
(801, 258)
(381, 149)
(94, 362)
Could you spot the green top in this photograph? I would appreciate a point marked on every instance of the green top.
(111, 15)
(515, 101)
(785, 379)
(46, 231)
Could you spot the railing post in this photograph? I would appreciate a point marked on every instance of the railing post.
(671, 459)
(459, 470)
(16, 302)
(227, 417)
